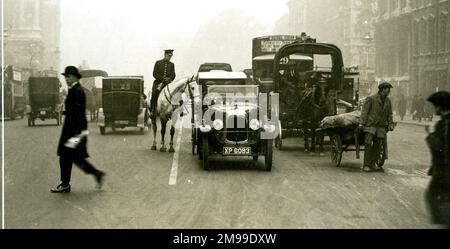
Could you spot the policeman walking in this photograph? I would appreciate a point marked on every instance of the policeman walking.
(376, 121)
(164, 74)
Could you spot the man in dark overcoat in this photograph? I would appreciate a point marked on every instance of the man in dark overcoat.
(164, 74)
(376, 120)
(438, 140)
(72, 147)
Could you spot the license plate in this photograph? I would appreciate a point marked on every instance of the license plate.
(237, 151)
(43, 112)
(122, 122)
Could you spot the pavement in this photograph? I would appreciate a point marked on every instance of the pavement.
(409, 121)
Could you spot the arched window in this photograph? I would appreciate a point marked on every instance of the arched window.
(431, 34)
(442, 32)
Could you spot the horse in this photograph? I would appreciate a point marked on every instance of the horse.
(91, 104)
(166, 104)
(312, 110)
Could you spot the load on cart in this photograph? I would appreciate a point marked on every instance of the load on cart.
(364, 130)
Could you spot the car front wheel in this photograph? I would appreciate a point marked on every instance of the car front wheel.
(205, 152)
(269, 155)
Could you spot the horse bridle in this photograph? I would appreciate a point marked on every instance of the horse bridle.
(167, 90)
(191, 94)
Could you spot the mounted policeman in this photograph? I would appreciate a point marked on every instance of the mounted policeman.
(164, 74)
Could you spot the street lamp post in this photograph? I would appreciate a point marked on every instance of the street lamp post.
(34, 50)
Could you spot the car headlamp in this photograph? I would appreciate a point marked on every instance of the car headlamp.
(205, 128)
(269, 128)
(254, 124)
(218, 124)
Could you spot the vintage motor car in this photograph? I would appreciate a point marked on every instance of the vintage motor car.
(214, 66)
(44, 100)
(230, 124)
(14, 102)
(123, 104)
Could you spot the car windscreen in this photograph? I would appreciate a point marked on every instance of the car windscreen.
(127, 85)
(226, 94)
(211, 67)
(224, 82)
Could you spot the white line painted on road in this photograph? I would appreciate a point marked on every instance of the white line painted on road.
(174, 171)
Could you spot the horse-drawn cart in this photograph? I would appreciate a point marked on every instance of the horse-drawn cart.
(349, 138)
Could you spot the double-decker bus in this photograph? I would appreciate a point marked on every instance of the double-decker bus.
(263, 54)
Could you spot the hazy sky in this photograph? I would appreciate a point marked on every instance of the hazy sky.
(126, 37)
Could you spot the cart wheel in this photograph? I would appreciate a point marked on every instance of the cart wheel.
(102, 130)
(381, 159)
(194, 141)
(336, 150)
(269, 155)
(205, 152)
(199, 147)
(279, 143)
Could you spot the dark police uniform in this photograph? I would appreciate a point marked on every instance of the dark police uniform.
(163, 69)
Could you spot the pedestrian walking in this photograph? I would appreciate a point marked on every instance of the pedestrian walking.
(401, 107)
(428, 111)
(438, 192)
(72, 147)
(419, 113)
(164, 74)
(376, 121)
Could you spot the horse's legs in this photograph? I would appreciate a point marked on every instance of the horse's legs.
(172, 133)
(155, 129)
(163, 133)
(313, 139)
(320, 139)
(307, 134)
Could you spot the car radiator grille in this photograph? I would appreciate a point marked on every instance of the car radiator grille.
(236, 133)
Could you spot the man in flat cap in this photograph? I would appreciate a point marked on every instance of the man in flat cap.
(72, 147)
(164, 74)
(376, 121)
(438, 191)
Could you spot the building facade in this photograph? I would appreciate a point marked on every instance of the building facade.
(32, 34)
(346, 23)
(413, 45)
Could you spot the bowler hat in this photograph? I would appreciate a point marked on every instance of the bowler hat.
(440, 99)
(71, 70)
(385, 85)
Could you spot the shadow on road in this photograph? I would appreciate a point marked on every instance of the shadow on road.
(125, 132)
(43, 125)
(236, 164)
